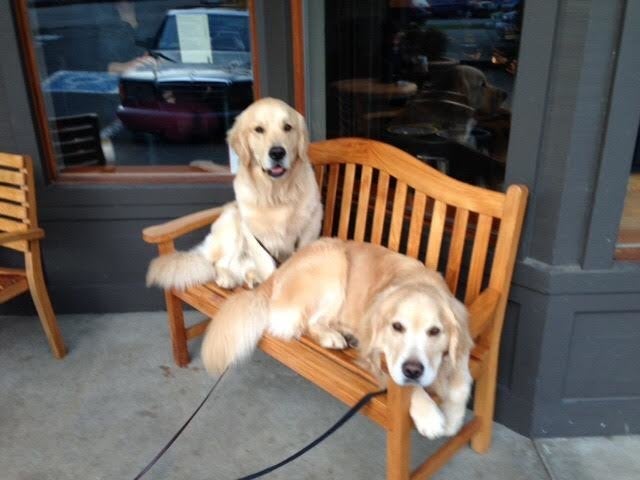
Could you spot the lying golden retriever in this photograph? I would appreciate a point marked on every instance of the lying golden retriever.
(390, 303)
(277, 207)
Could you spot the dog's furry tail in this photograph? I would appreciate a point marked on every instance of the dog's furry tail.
(180, 270)
(234, 332)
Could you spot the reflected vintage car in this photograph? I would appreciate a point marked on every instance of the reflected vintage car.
(191, 90)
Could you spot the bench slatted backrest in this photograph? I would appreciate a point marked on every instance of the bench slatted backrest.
(377, 193)
(17, 197)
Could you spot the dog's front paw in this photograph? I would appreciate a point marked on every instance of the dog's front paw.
(225, 279)
(427, 417)
(332, 339)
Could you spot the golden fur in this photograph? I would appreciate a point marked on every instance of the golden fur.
(390, 303)
(481, 95)
(277, 202)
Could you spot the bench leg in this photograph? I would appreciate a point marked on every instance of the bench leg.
(484, 402)
(177, 329)
(399, 433)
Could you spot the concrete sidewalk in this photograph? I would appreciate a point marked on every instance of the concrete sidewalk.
(116, 399)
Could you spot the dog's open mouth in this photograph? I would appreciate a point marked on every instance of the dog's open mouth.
(277, 171)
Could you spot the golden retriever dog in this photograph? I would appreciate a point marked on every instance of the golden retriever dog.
(277, 207)
(392, 304)
(480, 94)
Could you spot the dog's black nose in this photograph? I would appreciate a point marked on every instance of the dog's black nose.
(412, 369)
(277, 153)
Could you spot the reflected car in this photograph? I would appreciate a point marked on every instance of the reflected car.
(201, 80)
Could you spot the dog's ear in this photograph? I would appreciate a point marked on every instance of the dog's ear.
(303, 138)
(237, 139)
(456, 319)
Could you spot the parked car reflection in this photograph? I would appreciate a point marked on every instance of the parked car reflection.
(202, 78)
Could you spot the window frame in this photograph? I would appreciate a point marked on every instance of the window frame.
(126, 174)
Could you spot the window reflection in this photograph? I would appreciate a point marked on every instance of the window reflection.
(434, 78)
(153, 82)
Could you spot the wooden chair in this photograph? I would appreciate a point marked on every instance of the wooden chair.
(377, 193)
(19, 231)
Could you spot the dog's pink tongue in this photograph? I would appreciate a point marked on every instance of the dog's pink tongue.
(277, 170)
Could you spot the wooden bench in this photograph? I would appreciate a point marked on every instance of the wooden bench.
(374, 192)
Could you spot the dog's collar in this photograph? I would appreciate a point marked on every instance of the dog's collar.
(276, 261)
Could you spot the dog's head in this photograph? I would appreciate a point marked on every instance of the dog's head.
(270, 137)
(481, 95)
(416, 327)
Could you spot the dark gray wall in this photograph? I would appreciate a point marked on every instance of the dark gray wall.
(570, 343)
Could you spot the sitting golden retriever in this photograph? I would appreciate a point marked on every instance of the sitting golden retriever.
(277, 207)
(390, 303)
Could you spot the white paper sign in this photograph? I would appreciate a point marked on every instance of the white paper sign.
(233, 160)
(194, 38)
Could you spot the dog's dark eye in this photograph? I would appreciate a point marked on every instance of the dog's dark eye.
(259, 129)
(398, 327)
(433, 331)
(287, 127)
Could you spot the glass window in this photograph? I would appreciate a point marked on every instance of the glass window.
(628, 245)
(435, 78)
(151, 83)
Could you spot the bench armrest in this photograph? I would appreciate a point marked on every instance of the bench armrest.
(173, 229)
(482, 311)
(31, 234)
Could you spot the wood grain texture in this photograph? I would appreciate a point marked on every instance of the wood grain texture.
(12, 210)
(410, 170)
(173, 229)
(330, 201)
(297, 46)
(397, 216)
(12, 285)
(14, 177)
(175, 314)
(366, 176)
(456, 249)
(11, 160)
(416, 224)
(478, 258)
(379, 212)
(345, 207)
(436, 231)
(398, 432)
(30, 63)
(500, 280)
(17, 195)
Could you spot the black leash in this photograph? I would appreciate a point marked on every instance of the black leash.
(277, 262)
(350, 413)
(177, 434)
